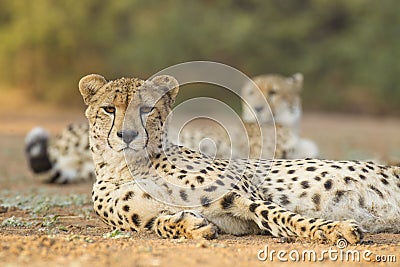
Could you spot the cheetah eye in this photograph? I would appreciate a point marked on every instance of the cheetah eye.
(272, 92)
(109, 109)
(145, 110)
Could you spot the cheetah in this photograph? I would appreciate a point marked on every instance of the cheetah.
(272, 132)
(282, 94)
(63, 159)
(144, 182)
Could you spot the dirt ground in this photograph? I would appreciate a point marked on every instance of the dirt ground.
(54, 225)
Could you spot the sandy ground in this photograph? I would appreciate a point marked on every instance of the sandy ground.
(55, 226)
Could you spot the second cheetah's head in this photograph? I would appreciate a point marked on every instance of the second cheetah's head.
(283, 97)
(127, 115)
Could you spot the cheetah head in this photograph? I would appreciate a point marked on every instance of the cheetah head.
(127, 115)
(282, 94)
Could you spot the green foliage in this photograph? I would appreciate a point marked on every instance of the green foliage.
(40, 202)
(117, 234)
(347, 50)
(15, 222)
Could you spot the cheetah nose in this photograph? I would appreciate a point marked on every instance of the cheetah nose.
(127, 135)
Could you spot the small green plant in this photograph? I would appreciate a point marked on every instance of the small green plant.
(116, 234)
(50, 221)
(15, 222)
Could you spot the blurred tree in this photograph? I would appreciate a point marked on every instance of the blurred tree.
(347, 50)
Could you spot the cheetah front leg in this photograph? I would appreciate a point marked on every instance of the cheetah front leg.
(284, 223)
(187, 224)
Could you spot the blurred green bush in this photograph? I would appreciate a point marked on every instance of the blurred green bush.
(348, 50)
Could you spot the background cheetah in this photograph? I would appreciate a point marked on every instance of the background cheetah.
(62, 159)
(144, 182)
(270, 131)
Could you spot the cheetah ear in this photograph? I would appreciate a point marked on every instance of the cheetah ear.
(167, 86)
(89, 85)
(297, 81)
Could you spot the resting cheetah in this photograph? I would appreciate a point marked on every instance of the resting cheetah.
(282, 94)
(144, 182)
(63, 159)
(270, 133)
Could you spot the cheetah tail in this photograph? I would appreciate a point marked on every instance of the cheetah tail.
(36, 144)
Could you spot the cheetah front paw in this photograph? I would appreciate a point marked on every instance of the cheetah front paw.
(187, 224)
(333, 232)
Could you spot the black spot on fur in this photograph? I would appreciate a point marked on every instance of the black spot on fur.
(361, 202)
(227, 200)
(370, 167)
(200, 179)
(150, 223)
(284, 200)
(316, 199)
(211, 188)
(219, 182)
(376, 190)
(205, 201)
(310, 169)
(264, 213)
(266, 226)
(253, 206)
(136, 220)
(338, 195)
(128, 195)
(183, 195)
(328, 184)
(126, 208)
(147, 196)
(305, 184)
